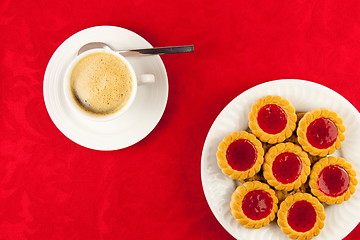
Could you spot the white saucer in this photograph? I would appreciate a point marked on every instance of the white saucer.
(137, 122)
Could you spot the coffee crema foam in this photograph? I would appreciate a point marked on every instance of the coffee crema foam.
(101, 83)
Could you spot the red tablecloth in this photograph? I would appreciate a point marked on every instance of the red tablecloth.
(52, 188)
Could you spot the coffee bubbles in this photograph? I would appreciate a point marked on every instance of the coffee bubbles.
(101, 83)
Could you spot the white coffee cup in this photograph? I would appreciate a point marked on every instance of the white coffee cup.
(99, 79)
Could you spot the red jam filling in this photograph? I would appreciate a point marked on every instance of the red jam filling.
(333, 180)
(322, 133)
(272, 119)
(286, 167)
(241, 155)
(301, 216)
(257, 204)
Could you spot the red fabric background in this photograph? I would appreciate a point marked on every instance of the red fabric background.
(52, 188)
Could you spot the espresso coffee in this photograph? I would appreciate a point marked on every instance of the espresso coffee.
(101, 83)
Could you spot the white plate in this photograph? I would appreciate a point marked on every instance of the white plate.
(304, 95)
(137, 122)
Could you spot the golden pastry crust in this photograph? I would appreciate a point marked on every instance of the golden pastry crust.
(291, 119)
(293, 138)
(307, 119)
(273, 153)
(237, 199)
(282, 194)
(283, 213)
(299, 116)
(314, 159)
(266, 146)
(316, 170)
(257, 177)
(223, 163)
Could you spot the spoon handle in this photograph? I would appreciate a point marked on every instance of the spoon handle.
(156, 51)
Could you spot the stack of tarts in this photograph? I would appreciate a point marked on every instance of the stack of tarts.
(285, 169)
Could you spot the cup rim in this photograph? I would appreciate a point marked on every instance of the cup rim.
(73, 105)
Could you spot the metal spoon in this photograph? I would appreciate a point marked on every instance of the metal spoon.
(138, 52)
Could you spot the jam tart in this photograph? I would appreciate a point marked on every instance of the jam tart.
(301, 216)
(272, 119)
(333, 180)
(320, 132)
(254, 204)
(286, 166)
(240, 155)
